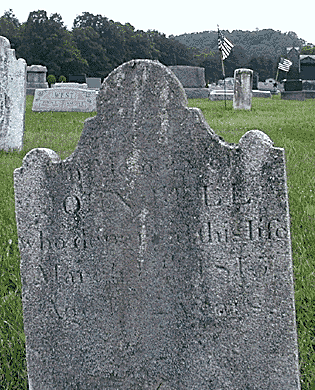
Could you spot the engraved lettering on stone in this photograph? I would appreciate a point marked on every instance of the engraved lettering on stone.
(71, 204)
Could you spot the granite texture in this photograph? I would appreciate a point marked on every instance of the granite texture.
(12, 97)
(64, 99)
(243, 85)
(156, 256)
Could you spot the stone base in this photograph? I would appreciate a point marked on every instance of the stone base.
(31, 90)
(219, 94)
(262, 94)
(197, 93)
(297, 95)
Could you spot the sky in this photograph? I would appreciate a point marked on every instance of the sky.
(175, 17)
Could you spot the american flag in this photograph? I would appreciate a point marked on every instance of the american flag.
(225, 46)
(284, 64)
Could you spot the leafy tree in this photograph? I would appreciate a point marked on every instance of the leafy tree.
(308, 49)
(10, 28)
(87, 41)
(51, 79)
(46, 41)
(109, 37)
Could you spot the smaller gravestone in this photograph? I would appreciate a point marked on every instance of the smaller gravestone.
(193, 80)
(243, 85)
(12, 97)
(190, 76)
(77, 78)
(94, 83)
(36, 78)
(69, 85)
(307, 66)
(255, 80)
(293, 81)
(64, 99)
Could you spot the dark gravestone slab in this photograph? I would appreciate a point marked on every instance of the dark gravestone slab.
(156, 256)
(293, 85)
(77, 78)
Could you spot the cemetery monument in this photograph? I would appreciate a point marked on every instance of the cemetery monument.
(36, 78)
(62, 98)
(192, 79)
(243, 85)
(12, 97)
(156, 256)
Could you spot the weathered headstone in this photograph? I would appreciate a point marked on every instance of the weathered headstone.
(156, 256)
(70, 85)
(77, 78)
(193, 80)
(190, 76)
(12, 97)
(243, 86)
(36, 78)
(255, 80)
(307, 66)
(64, 99)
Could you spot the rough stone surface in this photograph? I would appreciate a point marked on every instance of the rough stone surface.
(190, 76)
(64, 99)
(70, 85)
(243, 85)
(12, 97)
(36, 78)
(156, 256)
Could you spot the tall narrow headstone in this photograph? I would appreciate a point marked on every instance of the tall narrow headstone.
(243, 85)
(36, 78)
(12, 97)
(156, 256)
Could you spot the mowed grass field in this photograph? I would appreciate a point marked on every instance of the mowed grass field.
(290, 125)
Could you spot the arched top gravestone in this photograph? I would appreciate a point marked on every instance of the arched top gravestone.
(156, 256)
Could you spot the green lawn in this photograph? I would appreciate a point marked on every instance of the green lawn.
(290, 124)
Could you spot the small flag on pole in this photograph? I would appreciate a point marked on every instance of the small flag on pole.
(225, 46)
(284, 64)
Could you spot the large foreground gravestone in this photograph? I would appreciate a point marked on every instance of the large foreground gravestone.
(64, 99)
(12, 97)
(156, 256)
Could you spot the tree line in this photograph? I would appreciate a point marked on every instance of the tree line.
(96, 45)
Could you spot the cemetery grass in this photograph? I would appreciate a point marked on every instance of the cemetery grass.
(290, 125)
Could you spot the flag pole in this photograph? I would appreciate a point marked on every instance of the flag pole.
(223, 72)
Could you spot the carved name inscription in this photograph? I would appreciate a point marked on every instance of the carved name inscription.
(64, 99)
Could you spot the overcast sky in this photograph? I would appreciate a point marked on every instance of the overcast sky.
(184, 16)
